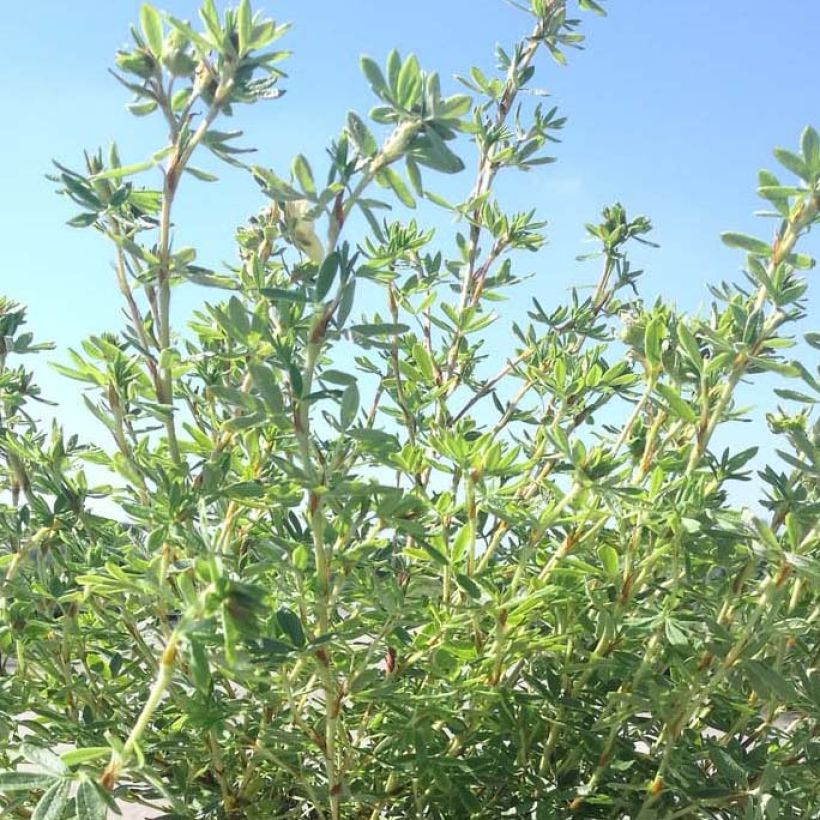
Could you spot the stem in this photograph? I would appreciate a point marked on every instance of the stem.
(538, 533)
(165, 670)
(120, 760)
(322, 555)
(173, 173)
(488, 386)
(164, 285)
(652, 379)
(484, 181)
(781, 250)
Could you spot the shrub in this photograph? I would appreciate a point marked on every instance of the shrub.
(354, 565)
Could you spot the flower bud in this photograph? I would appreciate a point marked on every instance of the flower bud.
(175, 55)
(298, 227)
(139, 62)
(397, 144)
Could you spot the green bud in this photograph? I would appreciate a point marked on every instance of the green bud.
(138, 62)
(396, 146)
(175, 55)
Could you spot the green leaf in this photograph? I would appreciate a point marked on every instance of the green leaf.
(304, 175)
(391, 178)
(142, 109)
(746, 243)
(83, 220)
(273, 186)
(653, 336)
(424, 361)
(244, 26)
(301, 557)
(245, 422)
(200, 43)
(689, 344)
(440, 559)
(456, 106)
(805, 567)
(238, 316)
(802, 261)
(393, 69)
(676, 404)
(44, 759)
(460, 543)
(767, 681)
(90, 804)
(375, 77)
(608, 556)
(198, 663)
(728, 767)
(202, 176)
(210, 17)
(793, 163)
(350, 406)
(324, 278)
(380, 329)
(337, 377)
(51, 805)
(810, 146)
(794, 395)
(360, 134)
(429, 149)
(124, 170)
(244, 489)
(24, 781)
(439, 200)
(409, 82)
(770, 806)
(291, 625)
(151, 24)
(282, 295)
(557, 54)
(74, 757)
(468, 585)
(414, 175)
(800, 370)
(674, 634)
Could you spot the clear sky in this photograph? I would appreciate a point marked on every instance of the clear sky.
(672, 107)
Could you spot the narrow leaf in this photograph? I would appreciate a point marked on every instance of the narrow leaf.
(793, 163)
(151, 24)
(24, 781)
(291, 626)
(676, 404)
(746, 243)
(52, 804)
(282, 295)
(44, 759)
(89, 802)
(244, 26)
(652, 341)
(609, 559)
(325, 277)
(810, 146)
(304, 175)
(468, 585)
(350, 406)
(374, 76)
(76, 756)
(124, 170)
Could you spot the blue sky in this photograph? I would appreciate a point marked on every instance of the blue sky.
(672, 109)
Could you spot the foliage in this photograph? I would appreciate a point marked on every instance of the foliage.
(358, 568)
